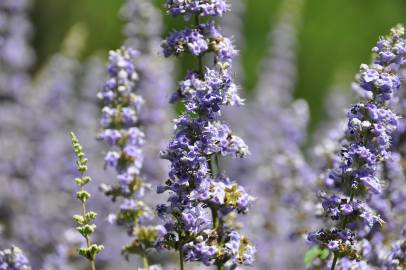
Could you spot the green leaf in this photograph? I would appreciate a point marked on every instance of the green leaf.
(83, 195)
(89, 216)
(79, 219)
(314, 253)
(86, 230)
(324, 254)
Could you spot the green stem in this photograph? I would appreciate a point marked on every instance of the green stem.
(145, 261)
(214, 167)
(181, 258)
(220, 267)
(92, 266)
(215, 217)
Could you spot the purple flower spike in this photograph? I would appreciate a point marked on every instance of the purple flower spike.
(201, 198)
(370, 129)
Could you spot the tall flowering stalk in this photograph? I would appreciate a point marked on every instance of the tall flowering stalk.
(196, 185)
(85, 219)
(371, 124)
(385, 248)
(122, 132)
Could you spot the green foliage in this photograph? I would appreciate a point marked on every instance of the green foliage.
(86, 229)
(81, 220)
(82, 181)
(145, 236)
(315, 252)
(82, 196)
(91, 251)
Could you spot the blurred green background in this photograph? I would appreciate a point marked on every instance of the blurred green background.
(336, 36)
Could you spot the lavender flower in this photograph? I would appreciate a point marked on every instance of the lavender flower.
(119, 120)
(370, 127)
(196, 184)
(13, 259)
(198, 41)
(122, 132)
(199, 7)
(390, 203)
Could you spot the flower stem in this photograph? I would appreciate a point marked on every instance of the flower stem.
(181, 258)
(92, 266)
(145, 261)
(333, 266)
(215, 218)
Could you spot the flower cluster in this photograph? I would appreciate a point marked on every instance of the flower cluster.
(197, 187)
(13, 259)
(390, 203)
(122, 132)
(198, 7)
(198, 41)
(207, 95)
(339, 208)
(119, 121)
(368, 137)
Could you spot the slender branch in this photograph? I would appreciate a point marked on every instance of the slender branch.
(92, 266)
(215, 217)
(145, 261)
(333, 266)
(181, 258)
